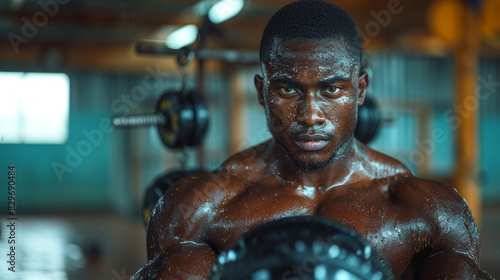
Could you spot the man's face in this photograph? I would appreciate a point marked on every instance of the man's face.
(311, 91)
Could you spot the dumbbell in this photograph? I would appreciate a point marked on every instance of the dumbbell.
(181, 118)
(300, 247)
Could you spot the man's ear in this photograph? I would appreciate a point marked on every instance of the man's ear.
(259, 85)
(363, 82)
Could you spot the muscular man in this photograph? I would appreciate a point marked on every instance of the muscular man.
(310, 88)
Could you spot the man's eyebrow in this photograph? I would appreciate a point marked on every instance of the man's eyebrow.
(285, 80)
(334, 79)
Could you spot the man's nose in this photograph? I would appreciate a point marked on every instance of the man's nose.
(311, 113)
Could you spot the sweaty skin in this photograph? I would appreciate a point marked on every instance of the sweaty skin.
(313, 165)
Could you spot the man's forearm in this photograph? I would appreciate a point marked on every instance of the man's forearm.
(186, 261)
(451, 266)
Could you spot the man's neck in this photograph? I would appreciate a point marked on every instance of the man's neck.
(342, 169)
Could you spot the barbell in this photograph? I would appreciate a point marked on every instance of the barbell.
(181, 118)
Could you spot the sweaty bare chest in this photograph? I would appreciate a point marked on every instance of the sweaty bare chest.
(255, 206)
(390, 228)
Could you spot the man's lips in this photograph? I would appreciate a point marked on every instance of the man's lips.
(311, 142)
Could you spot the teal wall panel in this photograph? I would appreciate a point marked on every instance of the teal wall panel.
(51, 178)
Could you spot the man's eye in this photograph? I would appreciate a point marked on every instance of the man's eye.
(288, 90)
(333, 90)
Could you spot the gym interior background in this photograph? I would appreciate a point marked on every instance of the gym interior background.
(68, 66)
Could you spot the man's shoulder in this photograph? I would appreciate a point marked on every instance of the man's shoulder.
(432, 199)
(388, 170)
(201, 188)
(248, 164)
(379, 165)
(444, 210)
(438, 215)
(188, 204)
(424, 188)
(221, 182)
(411, 190)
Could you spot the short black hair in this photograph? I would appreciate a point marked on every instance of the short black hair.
(311, 19)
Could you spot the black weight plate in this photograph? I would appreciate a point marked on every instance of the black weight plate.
(368, 121)
(272, 250)
(178, 112)
(201, 118)
(187, 121)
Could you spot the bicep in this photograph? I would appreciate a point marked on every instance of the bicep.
(455, 227)
(454, 254)
(454, 249)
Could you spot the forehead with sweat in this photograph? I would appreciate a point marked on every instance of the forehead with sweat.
(302, 54)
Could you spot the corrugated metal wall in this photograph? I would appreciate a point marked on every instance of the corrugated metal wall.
(413, 92)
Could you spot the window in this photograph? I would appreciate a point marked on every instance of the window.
(34, 108)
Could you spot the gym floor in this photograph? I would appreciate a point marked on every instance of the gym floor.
(109, 247)
(79, 247)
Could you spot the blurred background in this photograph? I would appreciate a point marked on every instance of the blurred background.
(68, 66)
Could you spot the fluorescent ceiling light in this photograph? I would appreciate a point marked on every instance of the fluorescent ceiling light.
(17, 4)
(182, 37)
(224, 10)
(201, 8)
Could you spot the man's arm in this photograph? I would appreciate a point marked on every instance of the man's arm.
(176, 237)
(186, 261)
(454, 249)
(451, 265)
